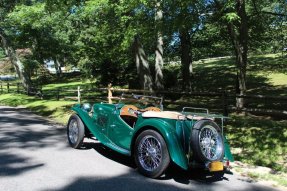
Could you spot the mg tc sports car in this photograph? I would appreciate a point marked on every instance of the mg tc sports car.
(153, 137)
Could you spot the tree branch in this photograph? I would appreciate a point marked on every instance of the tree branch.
(267, 12)
(275, 14)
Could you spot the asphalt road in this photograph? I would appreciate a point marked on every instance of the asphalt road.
(34, 155)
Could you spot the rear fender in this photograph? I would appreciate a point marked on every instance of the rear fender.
(227, 152)
(168, 132)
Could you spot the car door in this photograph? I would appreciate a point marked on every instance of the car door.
(101, 118)
(119, 131)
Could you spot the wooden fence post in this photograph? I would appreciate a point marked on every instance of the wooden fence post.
(110, 94)
(8, 87)
(79, 94)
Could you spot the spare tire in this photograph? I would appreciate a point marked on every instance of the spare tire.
(206, 141)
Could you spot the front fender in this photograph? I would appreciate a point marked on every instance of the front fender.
(88, 121)
(167, 130)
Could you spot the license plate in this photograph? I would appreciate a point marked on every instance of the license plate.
(215, 166)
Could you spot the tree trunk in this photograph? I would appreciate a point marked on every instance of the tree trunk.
(58, 67)
(10, 52)
(142, 65)
(186, 58)
(239, 37)
(159, 48)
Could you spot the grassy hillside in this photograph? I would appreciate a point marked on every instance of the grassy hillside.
(266, 74)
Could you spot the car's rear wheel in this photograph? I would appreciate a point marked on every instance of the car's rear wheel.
(75, 131)
(151, 154)
(207, 141)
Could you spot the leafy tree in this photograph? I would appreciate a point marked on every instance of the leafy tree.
(184, 19)
(241, 19)
(5, 8)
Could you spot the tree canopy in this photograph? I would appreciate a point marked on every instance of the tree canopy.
(99, 36)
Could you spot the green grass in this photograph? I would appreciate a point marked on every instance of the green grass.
(72, 84)
(266, 74)
(258, 141)
(59, 111)
(277, 178)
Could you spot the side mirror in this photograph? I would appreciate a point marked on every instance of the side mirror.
(86, 107)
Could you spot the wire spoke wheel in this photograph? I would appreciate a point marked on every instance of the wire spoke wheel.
(150, 153)
(73, 131)
(210, 142)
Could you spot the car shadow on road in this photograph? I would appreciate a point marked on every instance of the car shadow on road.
(110, 154)
(173, 172)
(197, 174)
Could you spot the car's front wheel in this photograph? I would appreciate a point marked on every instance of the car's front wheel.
(151, 154)
(75, 131)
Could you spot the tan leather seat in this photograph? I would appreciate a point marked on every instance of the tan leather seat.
(125, 110)
(152, 109)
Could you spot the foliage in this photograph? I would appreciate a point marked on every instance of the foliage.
(96, 35)
(2, 55)
(261, 141)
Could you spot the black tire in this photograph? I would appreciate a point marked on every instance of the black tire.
(157, 155)
(75, 131)
(198, 130)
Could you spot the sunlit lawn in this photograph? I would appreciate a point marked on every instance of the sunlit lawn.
(266, 74)
(56, 110)
(72, 84)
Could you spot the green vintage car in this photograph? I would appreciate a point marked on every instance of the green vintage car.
(155, 138)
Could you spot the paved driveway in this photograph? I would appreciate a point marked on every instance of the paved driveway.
(34, 155)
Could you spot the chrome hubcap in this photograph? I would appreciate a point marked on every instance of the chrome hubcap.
(210, 143)
(150, 153)
(73, 131)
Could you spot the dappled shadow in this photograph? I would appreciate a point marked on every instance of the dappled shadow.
(25, 138)
(15, 102)
(19, 120)
(110, 154)
(267, 138)
(173, 172)
(196, 175)
(220, 75)
(120, 183)
(268, 64)
(22, 129)
(11, 165)
(132, 181)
